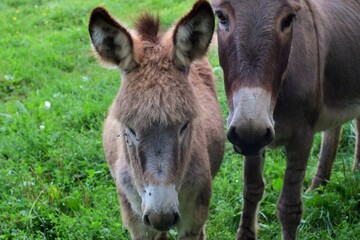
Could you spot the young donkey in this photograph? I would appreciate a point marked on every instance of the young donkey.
(286, 78)
(164, 137)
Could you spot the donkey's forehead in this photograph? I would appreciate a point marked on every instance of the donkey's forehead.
(249, 7)
(155, 54)
(249, 2)
(156, 93)
(155, 68)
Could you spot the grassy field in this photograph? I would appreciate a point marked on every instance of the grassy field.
(54, 183)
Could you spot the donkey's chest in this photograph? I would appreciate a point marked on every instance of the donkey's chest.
(331, 117)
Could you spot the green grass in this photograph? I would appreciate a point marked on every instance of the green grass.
(54, 180)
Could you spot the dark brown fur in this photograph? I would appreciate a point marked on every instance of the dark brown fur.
(148, 27)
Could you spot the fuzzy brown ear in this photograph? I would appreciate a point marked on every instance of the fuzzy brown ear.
(112, 42)
(193, 33)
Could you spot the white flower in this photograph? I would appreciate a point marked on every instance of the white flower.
(42, 127)
(28, 183)
(9, 77)
(47, 105)
(85, 78)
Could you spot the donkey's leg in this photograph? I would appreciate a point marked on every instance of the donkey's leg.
(357, 146)
(252, 193)
(329, 145)
(162, 236)
(195, 211)
(134, 224)
(194, 228)
(290, 204)
(193, 236)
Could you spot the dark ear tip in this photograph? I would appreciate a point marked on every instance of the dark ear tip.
(202, 4)
(205, 6)
(98, 12)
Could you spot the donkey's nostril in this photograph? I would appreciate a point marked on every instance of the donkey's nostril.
(233, 136)
(176, 219)
(268, 137)
(146, 220)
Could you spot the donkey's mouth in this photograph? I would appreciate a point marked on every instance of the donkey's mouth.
(247, 151)
(161, 223)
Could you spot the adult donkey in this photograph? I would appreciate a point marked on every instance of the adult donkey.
(164, 136)
(291, 68)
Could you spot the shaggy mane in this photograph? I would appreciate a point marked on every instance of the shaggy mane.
(148, 27)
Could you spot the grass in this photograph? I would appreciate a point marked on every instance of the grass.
(53, 100)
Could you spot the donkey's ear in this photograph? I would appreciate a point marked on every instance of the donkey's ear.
(192, 34)
(112, 42)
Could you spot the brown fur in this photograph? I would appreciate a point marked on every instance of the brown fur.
(163, 138)
(286, 78)
(168, 101)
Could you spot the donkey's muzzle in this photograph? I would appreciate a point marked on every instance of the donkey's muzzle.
(249, 144)
(251, 124)
(161, 207)
(161, 221)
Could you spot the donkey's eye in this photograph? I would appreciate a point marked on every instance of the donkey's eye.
(222, 19)
(286, 22)
(186, 125)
